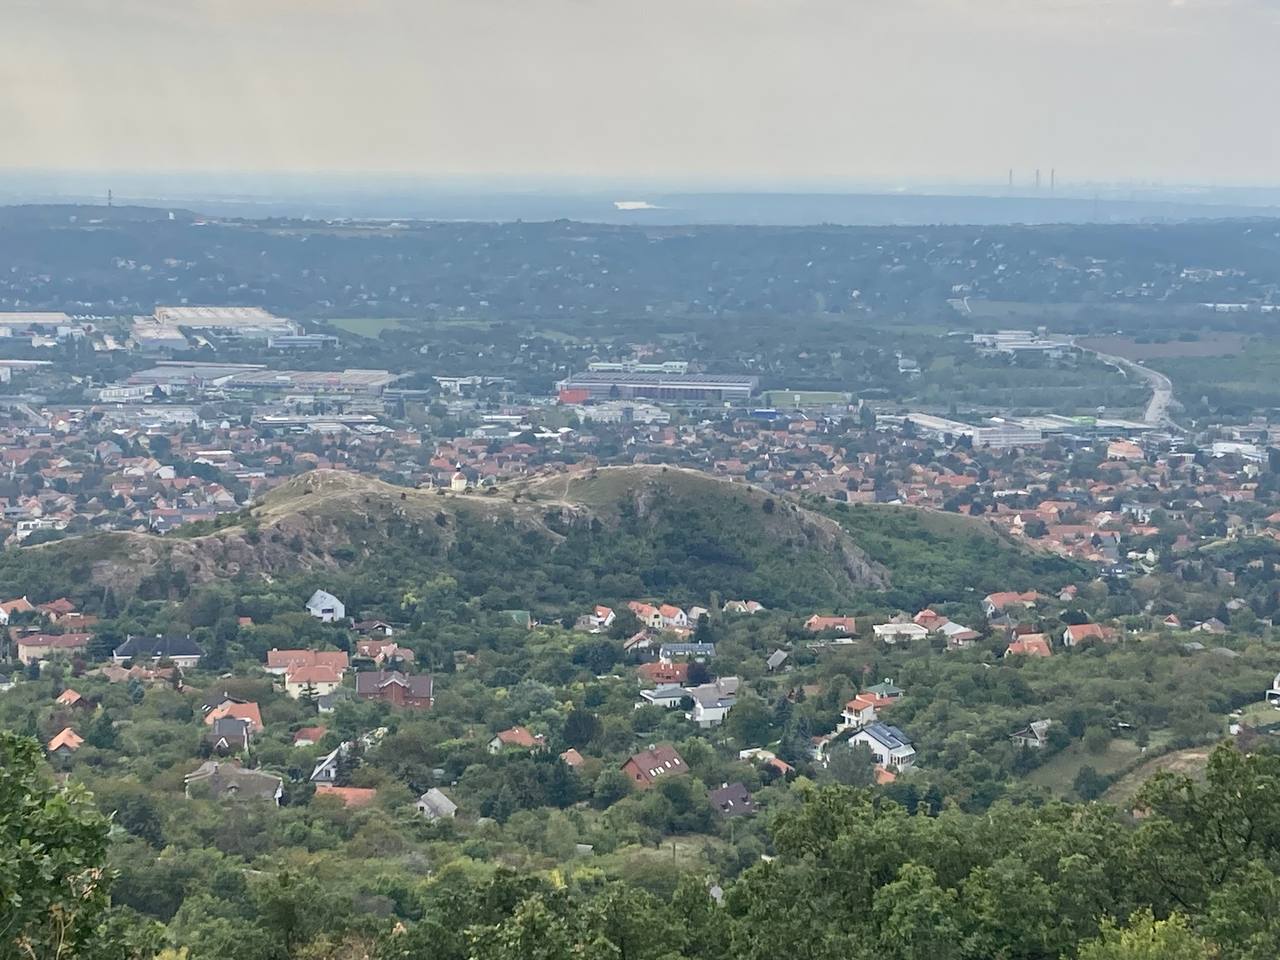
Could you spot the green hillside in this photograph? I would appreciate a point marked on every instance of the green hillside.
(555, 544)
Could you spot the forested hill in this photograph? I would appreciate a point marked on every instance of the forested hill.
(552, 544)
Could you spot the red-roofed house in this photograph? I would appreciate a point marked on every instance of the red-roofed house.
(602, 617)
(1079, 632)
(673, 616)
(310, 682)
(66, 742)
(350, 796)
(281, 662)
(517, 737)
(859, 711)
(42, 646)
(308, 736)
(930, 620)
(56, 609)
(646, 613)
(1032, 645)
(241, 711)
(995, 603)
(648, 766)
(10, 607)
(663, 673)
(817, 624)
(573, 758)
(70, 698)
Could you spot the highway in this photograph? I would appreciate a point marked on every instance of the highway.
(1157, 412)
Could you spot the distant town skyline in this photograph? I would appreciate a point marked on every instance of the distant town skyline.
(751, 91)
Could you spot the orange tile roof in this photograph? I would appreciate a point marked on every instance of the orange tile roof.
(241, 711)
(67, 738)
(320, 673)
(350, 796)
(518, 737)
(1033, 644)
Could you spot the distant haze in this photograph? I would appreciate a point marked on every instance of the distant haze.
(693, 91)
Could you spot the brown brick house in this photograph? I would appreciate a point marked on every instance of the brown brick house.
(396, 688)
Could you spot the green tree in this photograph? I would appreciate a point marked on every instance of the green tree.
(851, 765)
(580, 727)
(915, 917)
(1096, 740)
(1147, 938)
(1089, 784)
(610, 787)
(749, 722)
(102, 732)
(53, 879)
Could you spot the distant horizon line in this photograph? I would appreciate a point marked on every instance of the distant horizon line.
(380, 181)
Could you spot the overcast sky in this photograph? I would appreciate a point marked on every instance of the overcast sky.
(781, 90)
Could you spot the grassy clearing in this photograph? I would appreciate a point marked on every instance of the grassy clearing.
(1260, 714)
(1034, 313)
(368, 327)
(1190, 762)
(1209, 344)
(1059, 773)
(804, 398)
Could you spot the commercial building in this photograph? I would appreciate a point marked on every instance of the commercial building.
(996, 434)
(47, 324)
(618, 411)
(669, 387)
(247, 323)
(635, 366)
(369, 383)
(188, 376)
(302, 341)
(1022, 341)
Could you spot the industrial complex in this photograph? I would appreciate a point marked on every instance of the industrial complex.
(669, 387)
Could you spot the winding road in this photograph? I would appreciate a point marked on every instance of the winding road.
(1157, 412)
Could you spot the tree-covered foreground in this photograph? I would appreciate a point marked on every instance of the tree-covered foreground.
(1192, 875)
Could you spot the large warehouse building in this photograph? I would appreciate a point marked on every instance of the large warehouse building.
(247, 323)
(669, 387)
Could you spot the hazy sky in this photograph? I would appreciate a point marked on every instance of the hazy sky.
(1178, 90)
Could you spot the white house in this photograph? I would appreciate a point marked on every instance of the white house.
(712, 701)
(889, 745)
(859, 712)
(434, 805)
(899, 632)
(9, 607)
(1273, 695)
(601, 618)
(647, 614)
(959, 636)
(667, 695)
(317, 681)
(673, 616)
(325, 606)
(1035, 735)
(179, 649)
